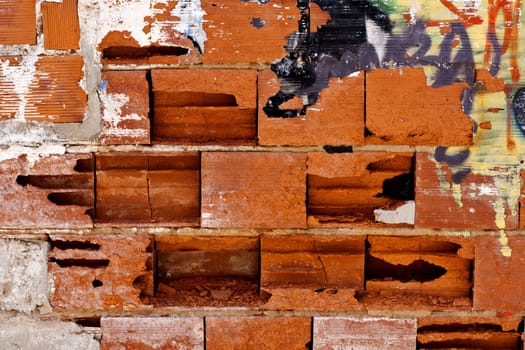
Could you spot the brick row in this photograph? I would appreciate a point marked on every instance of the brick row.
(286, 272)
(260, 190)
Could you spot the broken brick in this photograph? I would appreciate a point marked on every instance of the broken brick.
(18, 22)
(100, 272)
(51, 92)
(498, 274)
(439, 268)
(125, 103)
(60, 24)
(344, 189)
(54, 191)
(147, 189)
(253, 190)
(143, 333)
(204, 106)
(363, 333)
(469, 332)
(402, 110)
(207, 271)
(318, 263)
(336, 119)
(261, 333)
(451, 196)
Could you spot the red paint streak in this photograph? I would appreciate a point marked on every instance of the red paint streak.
(494, 110)
(511, 144)
(511, 14)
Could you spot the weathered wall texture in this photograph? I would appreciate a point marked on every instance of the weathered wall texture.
(262, 174)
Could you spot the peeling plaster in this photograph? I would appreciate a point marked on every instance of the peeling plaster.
(405, 214)
(112, 116)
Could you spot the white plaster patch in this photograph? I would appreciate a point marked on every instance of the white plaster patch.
(405, 214)
(191, 17)
(112, 116)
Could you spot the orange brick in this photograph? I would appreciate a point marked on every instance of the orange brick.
(100, 272)
(61, 27)
(143, 333)
(474, 205)
(336, 119)
(253, 189)
(52, 191)
(402, 109)
(204, 106)
(147, 189)
(18, 22)
(257, 333)
(344, 189)
(332, 333)
(469, 332)
(51, 93)
(125, 100)
(498, 274)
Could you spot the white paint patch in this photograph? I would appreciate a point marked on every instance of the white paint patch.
(191, 17)
(377, 37)
(404, 214)
(33, 154)
(112, 116)
(506, 251)
(355, 74)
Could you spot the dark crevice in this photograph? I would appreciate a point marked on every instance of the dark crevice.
(71, 198)
(197, 99)
(512, 342)
(458, 327)
(88, 322)
(398, 187)
(129, 52)
(338, 149)
(91, 263)
(85, 165)
(97, 283)
(418, 271)
(65, 245)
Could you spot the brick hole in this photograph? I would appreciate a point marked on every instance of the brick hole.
(436, 273)
(130, 52)
(207, 271)
(65, 245)
(97, 283)
(338, 149)
(204, 107)
(88, 322)
(468, 336)
(90, 263)
(148, 189)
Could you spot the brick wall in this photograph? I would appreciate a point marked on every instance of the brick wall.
(261, 174)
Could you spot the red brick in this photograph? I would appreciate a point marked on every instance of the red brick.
(125, 101)
(336, 119)
(257, 333)
(474, 205)
(204, 106)
(498, 274)
(234, 38)
(61, 27)
(363, 333)
(322, 299)
(469, 332)
(437, 267)
(402, 109)
(344, 188)
(100, 272)
(53, 92)
(18, 22)
(142, 333)
(147, 189)
(50, 191)
(253, 189)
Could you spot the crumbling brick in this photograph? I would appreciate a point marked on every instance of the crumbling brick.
(253, 189)
(103, 272)
(60, 24)
(204, 106)
(402, 110)
(498, 274)
(50, 191)
(436, 268)
(125, 103)
(469, 332)
(320, 269)
(344, 189)
(147, 189)
(336, 119)
(18, 22)
(261, 333)
(332, 333)
(207, 271)
(143, 333)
